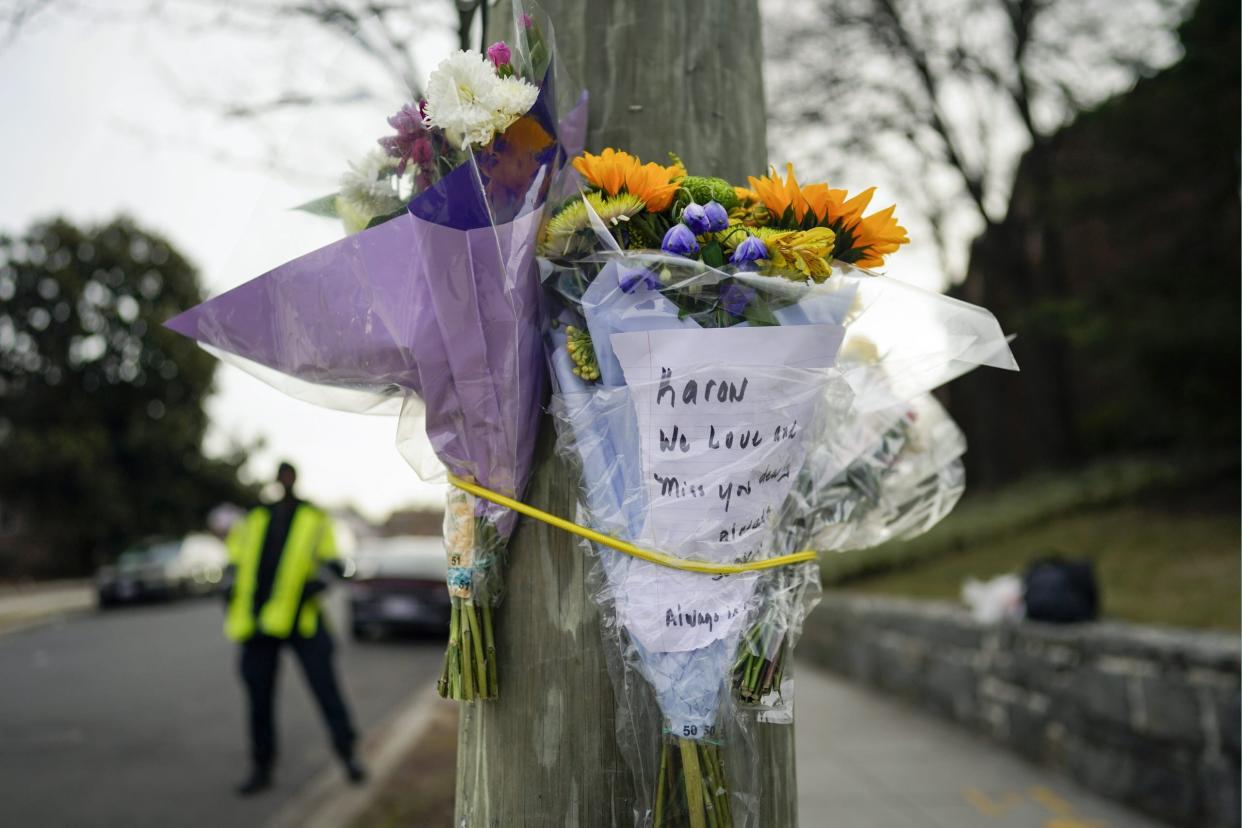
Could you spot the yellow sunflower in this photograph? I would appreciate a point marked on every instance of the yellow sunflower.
(862, 241)
(606, 170)
(654, 184)
(777, 195)
(613, 170)
(876, 236)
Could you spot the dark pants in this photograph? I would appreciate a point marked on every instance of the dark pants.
(259, 659)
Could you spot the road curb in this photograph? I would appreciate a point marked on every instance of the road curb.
(329, 801)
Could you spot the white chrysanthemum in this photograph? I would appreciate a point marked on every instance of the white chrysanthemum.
(467, 100)
(513, 98)
(368, 185)
(457, 95)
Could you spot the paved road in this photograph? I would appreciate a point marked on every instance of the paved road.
(865, 761)
(134, 717)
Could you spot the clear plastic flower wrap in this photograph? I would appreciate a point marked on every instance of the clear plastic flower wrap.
(431, 306)
(717, 415)
(897, 487)
(670, 634)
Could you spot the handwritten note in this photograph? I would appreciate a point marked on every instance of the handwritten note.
(723, 417)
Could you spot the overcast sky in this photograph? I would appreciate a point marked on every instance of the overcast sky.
(103, 117)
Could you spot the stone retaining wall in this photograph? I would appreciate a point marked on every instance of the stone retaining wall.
(1147, 716)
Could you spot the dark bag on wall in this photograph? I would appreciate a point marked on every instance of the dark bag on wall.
(1060, 590)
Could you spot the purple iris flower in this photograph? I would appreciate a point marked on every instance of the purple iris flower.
(629, 278)
(734, 298)
(748, 252)
(680, 241)
(717, 216)
(695, 217)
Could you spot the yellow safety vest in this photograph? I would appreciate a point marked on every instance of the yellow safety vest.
(310, 543)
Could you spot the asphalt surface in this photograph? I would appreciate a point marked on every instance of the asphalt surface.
(134, 717)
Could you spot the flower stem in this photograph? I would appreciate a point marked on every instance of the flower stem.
(677, 799)
(780, 675)
(442, 686)
(454, 650)
(693, 778)
(467, 664)
(659, 803)
(476, 637)
(708, 785)
(760, 664)
(720, 789)
(493, 679)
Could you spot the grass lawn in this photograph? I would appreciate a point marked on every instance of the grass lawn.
(1162, 556)
(1153, 567)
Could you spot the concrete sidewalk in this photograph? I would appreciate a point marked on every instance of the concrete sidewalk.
(24, 606)
(865, 761)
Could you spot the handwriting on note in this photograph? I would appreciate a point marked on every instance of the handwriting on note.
(722, 421)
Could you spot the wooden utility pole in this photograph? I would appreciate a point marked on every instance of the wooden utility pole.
(684, 77)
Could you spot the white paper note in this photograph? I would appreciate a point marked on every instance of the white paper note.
(723, 416)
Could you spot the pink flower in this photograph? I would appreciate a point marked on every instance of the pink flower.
(410, 143)
(420, 152)
(498, 53)
(527, 21)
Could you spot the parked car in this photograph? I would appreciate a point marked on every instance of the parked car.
(163, 569)
(201, 564)
(398, 586)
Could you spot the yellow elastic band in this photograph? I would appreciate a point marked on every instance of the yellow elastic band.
(654, 557)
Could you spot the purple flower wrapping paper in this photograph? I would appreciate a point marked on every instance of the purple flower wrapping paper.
(442, 301)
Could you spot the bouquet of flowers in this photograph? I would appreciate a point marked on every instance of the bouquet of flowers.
(907, 477)
(431, 304)
(724, 368)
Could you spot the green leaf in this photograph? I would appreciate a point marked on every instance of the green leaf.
(538, 61)
(713, 256)
(759, 314)
(378, 220)
(322, 206)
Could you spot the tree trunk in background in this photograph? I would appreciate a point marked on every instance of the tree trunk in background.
(684, 77)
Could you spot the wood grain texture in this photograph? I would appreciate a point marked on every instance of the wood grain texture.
(684, 76)
(544, 753)
(680, 76)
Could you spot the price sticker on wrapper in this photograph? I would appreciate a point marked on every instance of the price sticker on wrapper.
(459, 543)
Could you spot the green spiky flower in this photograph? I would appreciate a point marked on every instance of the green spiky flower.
(616, 209)
(582, 352)
(702, 189)
(562, 231)
(570, 232)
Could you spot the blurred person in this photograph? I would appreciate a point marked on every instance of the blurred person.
(277, 554)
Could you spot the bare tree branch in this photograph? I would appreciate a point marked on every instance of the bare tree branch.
(942, 97)
(937, 118)
(383, 33)
(294, 100)
(16, 15)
